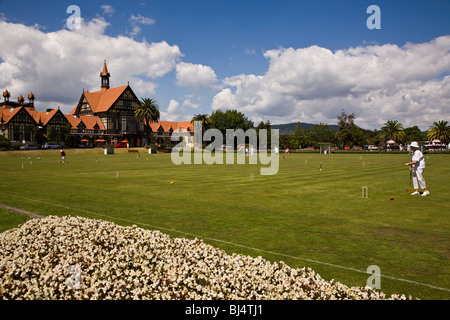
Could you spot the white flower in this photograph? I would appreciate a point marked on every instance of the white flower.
(132, 263)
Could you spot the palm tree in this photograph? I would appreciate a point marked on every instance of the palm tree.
(204, 119)
(206, 124)
(439, 130)
(393, 130)
(148, 112)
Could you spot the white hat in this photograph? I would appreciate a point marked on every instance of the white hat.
(414, 144)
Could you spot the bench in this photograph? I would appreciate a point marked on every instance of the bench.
(133, 151)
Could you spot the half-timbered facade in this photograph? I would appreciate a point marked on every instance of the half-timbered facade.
(107, 115)
(161, 131)
(21, 123)
(115, 108)
(18, 124)
(54, 125)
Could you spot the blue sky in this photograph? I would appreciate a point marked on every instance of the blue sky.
(283, 61)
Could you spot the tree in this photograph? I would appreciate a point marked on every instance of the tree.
(285, 141)
(375, 138)
(439, 130)
(393, 130)
(4, 143)
(229, 119)
(265, 126)
(320, 133)
(148, 112)
(69, 139)
(414, 134)
(50, 134)
(361, 136)
(298, 138)
(38, 133)
(346, 127)
(204, 119)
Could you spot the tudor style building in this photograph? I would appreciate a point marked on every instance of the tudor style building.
(18, 120)
(112, 110)
(54, 125)
(110, 113)
(107, 115)
(21, 123)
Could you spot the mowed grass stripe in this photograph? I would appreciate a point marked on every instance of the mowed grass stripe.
(254, 249)
(300, 212)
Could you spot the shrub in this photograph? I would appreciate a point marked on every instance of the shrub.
(4, 143)
(80, 258)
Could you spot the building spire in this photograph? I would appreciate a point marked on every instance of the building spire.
(6, 95)
(104, 75)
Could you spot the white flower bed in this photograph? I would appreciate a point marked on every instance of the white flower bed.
(80, 258)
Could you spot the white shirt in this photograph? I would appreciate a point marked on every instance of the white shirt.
(418, 156)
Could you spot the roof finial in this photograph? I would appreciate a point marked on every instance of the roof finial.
(105, 70)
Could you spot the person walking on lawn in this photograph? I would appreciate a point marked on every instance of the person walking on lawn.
(62, 155)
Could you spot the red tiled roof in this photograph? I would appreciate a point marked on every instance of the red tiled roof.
(72, 120)
(183, 125)
(102, 100)
(7, 113)
(174, 125)
(45, 116)
(89, 122)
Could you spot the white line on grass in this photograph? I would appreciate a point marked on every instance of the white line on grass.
(229, 243)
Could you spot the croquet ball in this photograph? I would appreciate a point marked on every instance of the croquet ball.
(392, 198)
(171, 182)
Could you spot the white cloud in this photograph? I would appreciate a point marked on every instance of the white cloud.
(142, 20)
(188, 103)
(173, 106)
(173, 112)
(195, 76)
(250, 51)
(107, 10)
(138, 20)
(224, 100)
(377, 83)
(56, 66)
(141, 88)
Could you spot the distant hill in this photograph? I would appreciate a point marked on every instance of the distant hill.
(289, 128)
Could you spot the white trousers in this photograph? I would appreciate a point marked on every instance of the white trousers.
(418, 179)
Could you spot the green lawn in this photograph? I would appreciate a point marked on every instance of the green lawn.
(300, 215)
(9, 220)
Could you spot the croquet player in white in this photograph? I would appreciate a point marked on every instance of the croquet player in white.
(417, 165)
